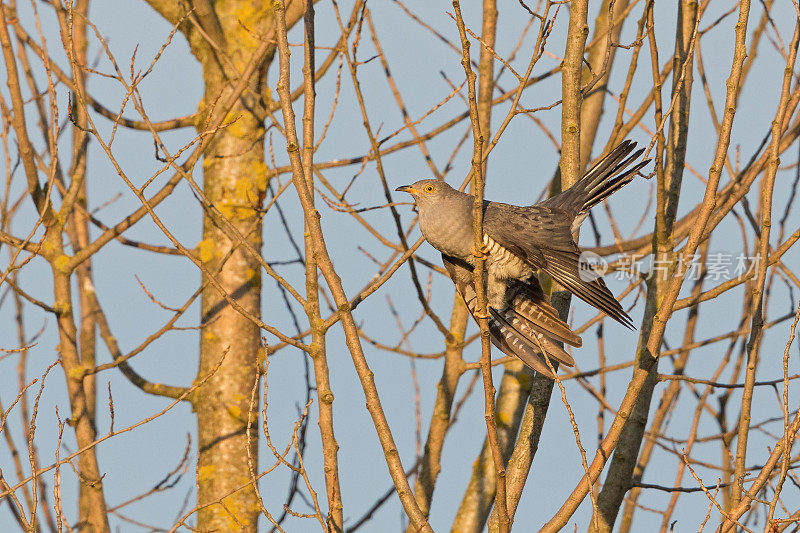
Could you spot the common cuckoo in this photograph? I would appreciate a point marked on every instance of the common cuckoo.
(519, 241)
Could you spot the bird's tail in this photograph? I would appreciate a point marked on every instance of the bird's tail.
(610, 174)
(605, 178)
(528, 328)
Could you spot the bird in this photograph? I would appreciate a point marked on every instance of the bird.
(518, 242)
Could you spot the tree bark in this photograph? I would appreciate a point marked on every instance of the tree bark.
(234, 180)
(78, 229)
(430, 464)
(223, 36)
(669, 176)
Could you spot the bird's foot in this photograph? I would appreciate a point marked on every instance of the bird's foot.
(485, 314)
(480, 253)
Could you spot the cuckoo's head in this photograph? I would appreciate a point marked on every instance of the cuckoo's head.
(428, 192)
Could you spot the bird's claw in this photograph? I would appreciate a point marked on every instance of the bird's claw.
(480, 253)
(482, 314)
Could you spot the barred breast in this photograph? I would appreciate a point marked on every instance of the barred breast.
(502, 263)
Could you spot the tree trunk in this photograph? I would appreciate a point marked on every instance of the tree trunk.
(234, 176)
(224, 37)
(234, 180)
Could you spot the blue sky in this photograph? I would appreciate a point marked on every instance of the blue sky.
(519, 169)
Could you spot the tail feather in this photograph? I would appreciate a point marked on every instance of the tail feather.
(531, 306)
(613, 181)
(508, 331)
(527, 328)
(509, 343)
(600, 172)
(606, 177)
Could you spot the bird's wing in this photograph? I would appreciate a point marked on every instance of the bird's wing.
(542, 237)
(527, 327)
(526, 231)
(563, 267)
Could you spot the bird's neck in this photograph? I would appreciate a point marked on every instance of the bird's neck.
(447, 226)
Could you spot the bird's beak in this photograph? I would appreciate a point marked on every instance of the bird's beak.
(407, 188)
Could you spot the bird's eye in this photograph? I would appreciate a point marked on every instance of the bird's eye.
(429, 188)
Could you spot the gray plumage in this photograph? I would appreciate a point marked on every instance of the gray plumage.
(518, 241)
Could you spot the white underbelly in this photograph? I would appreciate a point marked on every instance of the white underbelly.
(503, 264)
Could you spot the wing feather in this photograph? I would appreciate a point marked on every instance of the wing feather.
(563, 267)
